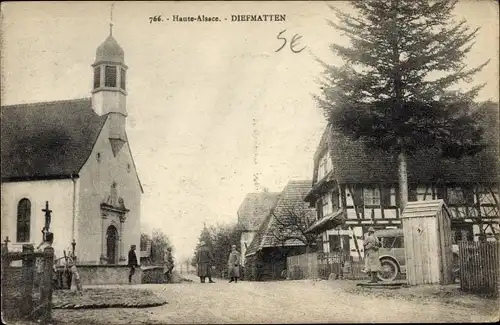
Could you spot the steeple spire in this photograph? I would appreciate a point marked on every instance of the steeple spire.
(111, 20)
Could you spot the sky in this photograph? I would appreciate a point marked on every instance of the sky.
(214, 112)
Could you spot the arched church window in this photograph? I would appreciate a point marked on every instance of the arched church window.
(23, 220)
(97, 77)
(123, 74)
(110, 76)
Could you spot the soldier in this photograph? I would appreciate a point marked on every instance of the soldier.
(204, 258)
(372, 262)
(132, 262)
(169, 264)
(234, 264)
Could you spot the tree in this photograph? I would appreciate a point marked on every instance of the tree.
(291, 222)
(224, 237)
(160, 245)
(393, 91)
(161, 250)
(206, 236)
(219, 239)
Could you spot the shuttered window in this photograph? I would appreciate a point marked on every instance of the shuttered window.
(97, 77)
(110, 77)
(386, 196)
(123, 75)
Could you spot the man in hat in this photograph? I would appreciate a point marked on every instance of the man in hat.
(372, 262)
(234, 264)
(203, 258)
(132, 262)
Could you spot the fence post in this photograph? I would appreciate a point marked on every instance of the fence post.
(46, 285)
(3, 266)
(27, 280)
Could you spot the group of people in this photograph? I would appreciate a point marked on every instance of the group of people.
(205, 261)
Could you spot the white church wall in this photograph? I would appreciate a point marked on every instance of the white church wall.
(59, 194)
(246, 238)
(96, 178)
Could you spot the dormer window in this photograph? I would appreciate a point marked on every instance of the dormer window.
(325, 165)
(110, 77)
(122, 78)
(97, 77)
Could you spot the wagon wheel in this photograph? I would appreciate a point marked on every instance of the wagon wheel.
(389, 270)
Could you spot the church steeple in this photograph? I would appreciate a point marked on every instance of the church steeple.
(109, 87)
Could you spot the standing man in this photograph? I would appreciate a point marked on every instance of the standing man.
(48, 241)
(372, 262)
(203, 258)
(132, 263)
(169, 264)
(234, 264)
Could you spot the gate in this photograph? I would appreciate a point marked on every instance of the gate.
(27, 290)
(479, 267)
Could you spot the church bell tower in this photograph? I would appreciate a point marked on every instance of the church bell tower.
(109, 91)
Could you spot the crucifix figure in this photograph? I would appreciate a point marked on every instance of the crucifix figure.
(48, 218)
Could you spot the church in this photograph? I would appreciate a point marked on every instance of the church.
(75, 155)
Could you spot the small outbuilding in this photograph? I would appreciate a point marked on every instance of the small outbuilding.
(428, 242)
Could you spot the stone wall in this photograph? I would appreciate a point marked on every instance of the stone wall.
(153, 274)
(107, 274)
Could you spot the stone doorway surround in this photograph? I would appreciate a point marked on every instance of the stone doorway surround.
(113, 213)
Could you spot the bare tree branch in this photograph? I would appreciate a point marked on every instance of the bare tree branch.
(290, 222)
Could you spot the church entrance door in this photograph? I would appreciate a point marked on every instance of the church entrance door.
(112, 244)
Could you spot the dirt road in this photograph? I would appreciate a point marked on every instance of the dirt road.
(274, 302)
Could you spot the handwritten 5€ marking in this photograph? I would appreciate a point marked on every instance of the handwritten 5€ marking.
(295, 39)
(155, 19)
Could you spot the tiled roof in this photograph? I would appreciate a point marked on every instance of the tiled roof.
(48, 139)
(291, 198)
(255, 208)
(354, 162)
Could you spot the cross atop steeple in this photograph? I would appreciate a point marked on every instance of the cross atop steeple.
(111, 20)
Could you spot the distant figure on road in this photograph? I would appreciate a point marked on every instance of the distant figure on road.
(372, 262)
(204, 258)
(169, 265)
(132, 263)
(234, 264)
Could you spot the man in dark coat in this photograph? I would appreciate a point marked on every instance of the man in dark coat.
(204, 258)
(132, 263)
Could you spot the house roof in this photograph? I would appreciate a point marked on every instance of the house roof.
(354, 162)
(48, 139)
(290, 199)
(423, 208)
(255, 208)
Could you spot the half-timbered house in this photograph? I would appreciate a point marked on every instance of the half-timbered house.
(355, 187)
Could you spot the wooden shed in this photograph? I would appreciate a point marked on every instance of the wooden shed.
(428, 243)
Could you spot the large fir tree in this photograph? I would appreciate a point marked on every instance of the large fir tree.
(393, 92)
